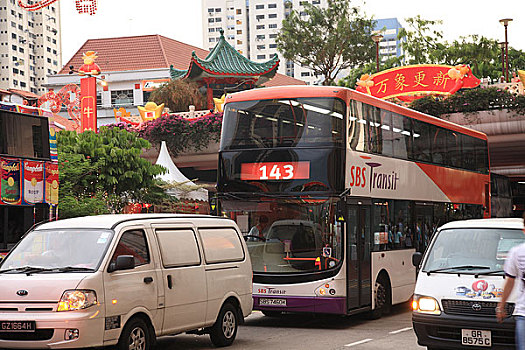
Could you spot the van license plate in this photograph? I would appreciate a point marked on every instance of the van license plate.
(474, 337)
(272, 302)
(17, 326)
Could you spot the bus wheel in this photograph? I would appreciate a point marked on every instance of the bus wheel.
(383, 298)
(270, 313)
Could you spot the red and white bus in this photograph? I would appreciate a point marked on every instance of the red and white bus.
(342, 188)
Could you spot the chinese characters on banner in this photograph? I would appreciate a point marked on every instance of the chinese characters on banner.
(88, 104)
(417, 80)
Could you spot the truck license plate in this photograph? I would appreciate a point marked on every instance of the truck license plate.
(474, 337)
(17, 326)
(272, 302)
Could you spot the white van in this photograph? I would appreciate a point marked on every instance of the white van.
(124, 280)
(460, 282)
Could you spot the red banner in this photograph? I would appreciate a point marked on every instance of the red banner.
(88, 104)
(33, 182)
(415, 80)
(52, 181)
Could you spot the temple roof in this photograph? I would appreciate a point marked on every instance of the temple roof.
(224, 61)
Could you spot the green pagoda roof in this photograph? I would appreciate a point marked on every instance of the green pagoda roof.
(224, 61)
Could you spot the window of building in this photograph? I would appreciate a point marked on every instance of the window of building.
(259, 7)
(217, 20)
(272, 6)
(211, 40)
(272, 26)
(260, 37)
(261, 47)
(273, 36)
(260, 26)
(211, 20)
(121, 97)
(14, 47)
(273, 46)
(261, 57)
(21, 49)
(22, 84)
(259, 17)
(218, 9)
(238, 11)
(239, 42)
(272, 15)
(305, 74)
(238, 21)
(210, 10)
(13, 35)
(211, 30)
(15, 70)
(239, 31)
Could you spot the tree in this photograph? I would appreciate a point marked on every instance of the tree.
(421, 40)
(178, 94)
(104, 167)
(327, 40)
(369, 68)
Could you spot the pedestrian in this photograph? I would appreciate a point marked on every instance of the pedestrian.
(515, 268)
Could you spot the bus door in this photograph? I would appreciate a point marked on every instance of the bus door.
(358, 255)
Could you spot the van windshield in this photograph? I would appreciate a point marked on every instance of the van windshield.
(472, 250)
(67, 250)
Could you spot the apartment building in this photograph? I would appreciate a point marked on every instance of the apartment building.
(251, 27)
(390, 46)
(30, 47)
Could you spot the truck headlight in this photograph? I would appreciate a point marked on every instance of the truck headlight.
(77, 299)
(425, 305)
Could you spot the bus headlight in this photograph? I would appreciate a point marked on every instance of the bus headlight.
(425, 305)
(77, 299)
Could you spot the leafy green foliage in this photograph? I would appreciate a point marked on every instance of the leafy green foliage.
(368, 68)
(178, 94)
(103, 172)
(327, 40)
(471, 100)
(421, 40)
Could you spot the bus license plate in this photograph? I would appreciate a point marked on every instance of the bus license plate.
(17, 326)
(474, 337)
(272, 302)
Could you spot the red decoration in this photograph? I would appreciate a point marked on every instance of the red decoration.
(36, 6)
(68, 96)
(411, 82)
(88, 104)
(83, 6)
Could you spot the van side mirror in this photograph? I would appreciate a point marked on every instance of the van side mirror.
(416, 258)
(123, 262)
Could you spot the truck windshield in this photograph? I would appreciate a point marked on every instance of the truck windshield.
(72, 249)
(472, 250)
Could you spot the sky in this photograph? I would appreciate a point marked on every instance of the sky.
(181, 19)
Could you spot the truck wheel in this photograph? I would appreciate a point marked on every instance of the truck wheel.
(135, 336)
(383, 298)
(224, 330)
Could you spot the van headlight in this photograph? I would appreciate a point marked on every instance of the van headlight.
(77, 299)
(425, 305)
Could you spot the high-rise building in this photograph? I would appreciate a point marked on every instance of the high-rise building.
(390, 46)
(251, 27)
(30, 47)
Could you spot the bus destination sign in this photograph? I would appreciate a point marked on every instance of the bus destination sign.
(275, 171)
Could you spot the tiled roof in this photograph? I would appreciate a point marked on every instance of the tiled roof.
(24, 94)
(224, 60)
(135, 52)
(281, 79)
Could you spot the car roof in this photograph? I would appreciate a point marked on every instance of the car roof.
(110, 221)
(512, 223)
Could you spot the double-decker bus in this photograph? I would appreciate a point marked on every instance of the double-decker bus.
(334, 191)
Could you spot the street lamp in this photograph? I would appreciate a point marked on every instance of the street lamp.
(502, 47)
(377, 37)
(505, 22)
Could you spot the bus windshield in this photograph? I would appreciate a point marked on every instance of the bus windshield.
(283, 123)
(288, 236)
(472, 250)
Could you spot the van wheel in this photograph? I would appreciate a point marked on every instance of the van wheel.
(135, 336)
(383, 298)
(270, 313)
(224, 330)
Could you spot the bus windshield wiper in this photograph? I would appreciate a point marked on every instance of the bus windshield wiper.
(461, 267)
(26, 269)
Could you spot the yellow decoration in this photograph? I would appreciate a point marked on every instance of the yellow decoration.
(121, 113)
(219, 103)
(150, 111)
(521, 74)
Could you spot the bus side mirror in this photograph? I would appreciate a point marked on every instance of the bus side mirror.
(416, 258)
